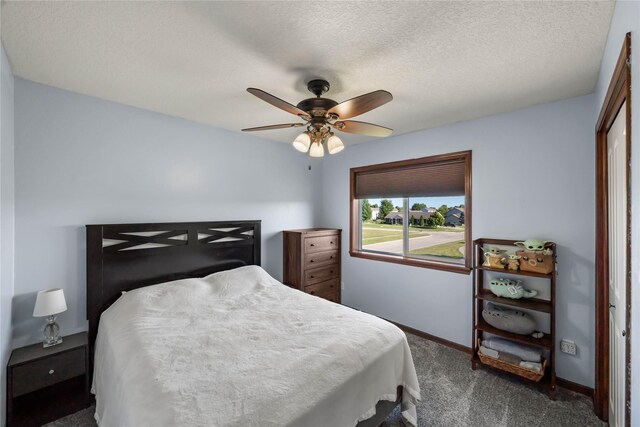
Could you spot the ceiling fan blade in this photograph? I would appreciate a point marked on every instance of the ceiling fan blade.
(361, 104)
(363, 128)
(277, 102)
(282, 126)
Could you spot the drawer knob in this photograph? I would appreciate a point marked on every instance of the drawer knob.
(331, 257)
(331, 243)
(51, 371)
(312, 292)
(312, 245)
(310, 260)
(312, 276)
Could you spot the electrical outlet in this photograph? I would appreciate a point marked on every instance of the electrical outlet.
(342, 286)
(568, 346)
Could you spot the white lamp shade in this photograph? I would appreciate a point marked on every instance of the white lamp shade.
(49, 302)
(317, 150)
(302, 142)
(334, 145)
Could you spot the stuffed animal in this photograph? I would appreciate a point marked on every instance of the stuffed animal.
(493, 257)
(536, 245)
(513, 262)
(510, 289)
(509, 320)
(537, 256)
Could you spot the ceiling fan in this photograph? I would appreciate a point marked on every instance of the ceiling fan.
(322, 114)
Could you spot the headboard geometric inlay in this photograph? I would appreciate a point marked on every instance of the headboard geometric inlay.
(122, 257)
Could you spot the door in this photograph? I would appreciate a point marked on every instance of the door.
(617, 213)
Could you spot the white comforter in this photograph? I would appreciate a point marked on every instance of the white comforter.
(239, 348)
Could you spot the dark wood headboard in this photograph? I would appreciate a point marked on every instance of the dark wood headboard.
(122, 257)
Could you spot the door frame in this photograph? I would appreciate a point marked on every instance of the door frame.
(618, 92)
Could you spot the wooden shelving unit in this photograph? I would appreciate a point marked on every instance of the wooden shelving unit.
(482, 294)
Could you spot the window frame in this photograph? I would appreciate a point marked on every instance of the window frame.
(355, 216)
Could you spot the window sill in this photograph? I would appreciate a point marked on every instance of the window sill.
(460, 269)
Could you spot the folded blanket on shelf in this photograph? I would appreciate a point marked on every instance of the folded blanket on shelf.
(532, 366)
(488, 352)
(510, 358)
(526, 353)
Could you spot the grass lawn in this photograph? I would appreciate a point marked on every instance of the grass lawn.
(377, 225)
(440, 229)
(449, 250)
(413, 227)
(371, 236)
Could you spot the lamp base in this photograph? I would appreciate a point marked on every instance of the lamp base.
(51, 330)
(57, 341)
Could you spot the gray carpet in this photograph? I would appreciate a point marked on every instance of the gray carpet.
(454, 395)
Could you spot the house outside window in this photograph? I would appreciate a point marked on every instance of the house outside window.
(422, 212)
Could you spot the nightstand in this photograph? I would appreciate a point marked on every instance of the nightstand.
(44, 384)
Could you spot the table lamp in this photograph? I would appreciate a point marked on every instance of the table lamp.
(49, 303)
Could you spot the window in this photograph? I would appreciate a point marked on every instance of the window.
(415, 212)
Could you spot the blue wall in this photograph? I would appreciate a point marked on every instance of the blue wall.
(6, 218)
(533, 176)
(81, 160)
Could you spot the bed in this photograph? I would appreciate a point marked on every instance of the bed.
(186, 328)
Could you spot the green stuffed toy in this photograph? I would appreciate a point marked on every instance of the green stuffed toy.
(536, 245)
(510, 289)
(513, 262)
(493, 257)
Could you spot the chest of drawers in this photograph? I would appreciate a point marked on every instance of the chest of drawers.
(312, 261)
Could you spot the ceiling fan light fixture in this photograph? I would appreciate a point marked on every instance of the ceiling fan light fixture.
(334, 144)
(323, 114)
(302, 142)
(317, 150)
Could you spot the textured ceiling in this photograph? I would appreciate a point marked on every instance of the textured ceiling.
(443, 61)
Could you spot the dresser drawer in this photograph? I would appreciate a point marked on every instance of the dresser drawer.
(327, 290)
(318, 259)
(329, 295)
(317, 275)
(42, 373)
(321, 243)
(322, 287)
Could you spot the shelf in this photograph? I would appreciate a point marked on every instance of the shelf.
(516, 272)
(544, 342)
(528, 303)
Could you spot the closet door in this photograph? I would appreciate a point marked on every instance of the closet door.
(617, 210)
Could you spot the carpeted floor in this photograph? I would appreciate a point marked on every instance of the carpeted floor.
(454, 395)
